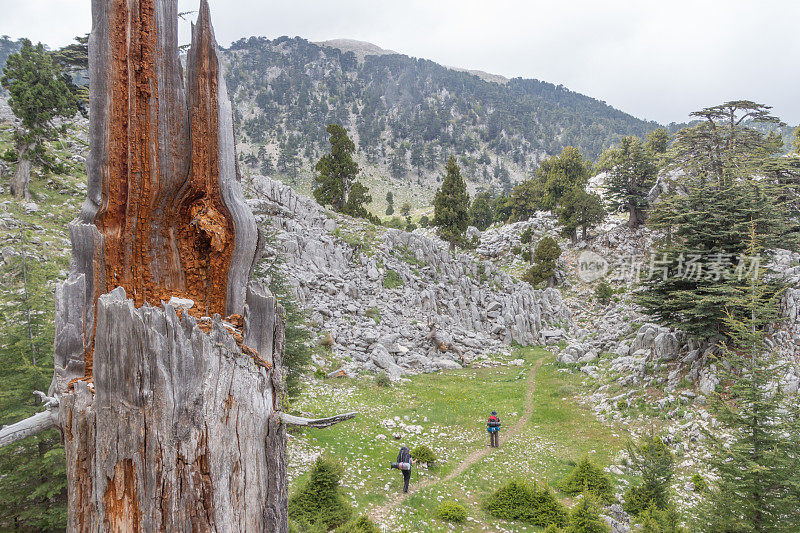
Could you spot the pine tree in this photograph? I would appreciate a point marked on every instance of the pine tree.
(335, 182)
(451, 206)
(631, 174)
(702, 264)
(480, 212)
(297, 336)
(585, 518)
(320, 500)
(32, 471)
(754, 451)
(288, 158)
(545, 257)
(653, 461)
(579, 209)
(526, 199)
(389, 203)
(657, 142)
(655, 520)
(74, 61)
(38, 95)
(561, 174)
(359, 196)
(721, 149)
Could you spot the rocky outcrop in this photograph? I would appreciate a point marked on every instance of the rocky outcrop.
(378, 292)
(498, 242)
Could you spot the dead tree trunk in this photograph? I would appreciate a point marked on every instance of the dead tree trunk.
(176, 431)
(20, 182)
(170, 413)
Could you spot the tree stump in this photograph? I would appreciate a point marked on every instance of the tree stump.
(170, 413)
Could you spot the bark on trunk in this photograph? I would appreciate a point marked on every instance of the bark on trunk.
(635, 217)
(20, 182)
(170, 413)
(175, 433)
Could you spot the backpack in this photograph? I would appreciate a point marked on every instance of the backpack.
(404, 456)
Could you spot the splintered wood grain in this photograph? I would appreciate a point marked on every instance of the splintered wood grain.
(163, 235)
(169, 417)
(121, 502)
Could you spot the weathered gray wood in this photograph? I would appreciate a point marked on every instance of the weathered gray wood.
(32, 425)
(169, 424)
(204, 56)
(293, 420)
(176, 427)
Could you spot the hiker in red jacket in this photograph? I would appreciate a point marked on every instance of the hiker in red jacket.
(493, 427)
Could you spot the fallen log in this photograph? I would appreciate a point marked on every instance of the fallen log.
(32, 425)
(293, 420)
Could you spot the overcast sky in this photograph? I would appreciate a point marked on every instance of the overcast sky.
(657, 60)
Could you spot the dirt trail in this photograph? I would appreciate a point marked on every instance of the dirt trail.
(378, 514)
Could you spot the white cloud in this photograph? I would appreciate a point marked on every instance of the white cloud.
(656, 60)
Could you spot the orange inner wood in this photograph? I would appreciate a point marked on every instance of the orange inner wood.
(160, 242)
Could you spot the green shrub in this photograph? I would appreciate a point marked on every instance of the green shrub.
(603, 292)
(654, 462)
(382, 379)
(326, 340)
(526, 236)
(320, 500)
(302, 526)
(699, 483)
(360, 525)
(392, 279)
(395, 222)
(423, 454)
(588, 476)
(655, 520)
(545, 257)
(552, 528)
(638, 498)
(526, 255)
(374, 314)
(9, 156)
(516, 250)
(585, 517)
(359, 243)
(424, 221)
(521, 501)
(452, 512)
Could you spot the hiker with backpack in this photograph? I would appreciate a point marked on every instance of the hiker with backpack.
(493, 427)
(403, 464)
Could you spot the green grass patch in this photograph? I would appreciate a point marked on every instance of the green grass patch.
(452, 408)
(392, 280)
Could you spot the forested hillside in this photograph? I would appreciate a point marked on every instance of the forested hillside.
(8, 47)
(406, 115)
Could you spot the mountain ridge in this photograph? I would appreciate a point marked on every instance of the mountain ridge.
(365, 48)
(406, 116)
